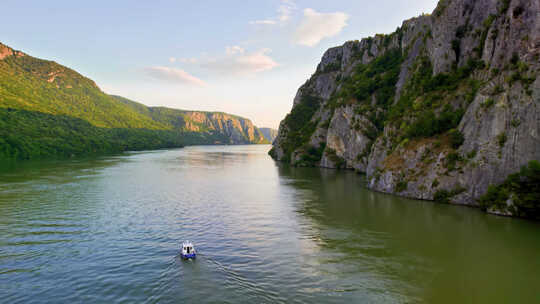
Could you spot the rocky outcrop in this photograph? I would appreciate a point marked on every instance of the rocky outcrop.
(236, 129)
(441, 109)
(6, 51)
(345, 142)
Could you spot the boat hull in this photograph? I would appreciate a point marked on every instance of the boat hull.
(188, 256)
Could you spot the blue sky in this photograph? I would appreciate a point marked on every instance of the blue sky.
(243, 57)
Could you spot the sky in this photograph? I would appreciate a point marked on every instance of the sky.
(242, 57)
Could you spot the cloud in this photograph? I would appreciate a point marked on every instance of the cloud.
(173, 75)
(232, 50)
(284, 10)
(316, 26)
(172, 60)
(238, 62)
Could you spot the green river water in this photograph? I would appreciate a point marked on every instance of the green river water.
(108, 230)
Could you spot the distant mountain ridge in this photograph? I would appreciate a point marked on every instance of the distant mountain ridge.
(236, 129)
(47, 109)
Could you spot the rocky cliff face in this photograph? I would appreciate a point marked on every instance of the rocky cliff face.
(441, 109)
(236, 129)
(6, 51)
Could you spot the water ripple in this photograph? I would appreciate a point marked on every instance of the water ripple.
(109, 230)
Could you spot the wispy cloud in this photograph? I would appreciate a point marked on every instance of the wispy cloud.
(284, 11)
(235, 49)
(238, 62)
(173, 75)
(316, 26)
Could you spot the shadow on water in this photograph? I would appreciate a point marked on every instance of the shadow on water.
(14, 170)
(418, 250)
(43, 210)
(46, 186)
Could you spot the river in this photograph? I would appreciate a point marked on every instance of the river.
(108, 230)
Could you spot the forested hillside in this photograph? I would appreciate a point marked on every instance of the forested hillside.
(48, 110)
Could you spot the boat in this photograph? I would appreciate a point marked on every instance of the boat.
(188, 251)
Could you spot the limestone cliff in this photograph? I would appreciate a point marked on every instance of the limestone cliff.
(441, 109)
(237, 130)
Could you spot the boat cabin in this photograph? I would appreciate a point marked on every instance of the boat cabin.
(188, 251)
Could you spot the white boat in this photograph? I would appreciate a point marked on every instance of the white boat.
(188, 251)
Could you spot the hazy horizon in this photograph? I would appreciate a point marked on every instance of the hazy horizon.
(246, 59)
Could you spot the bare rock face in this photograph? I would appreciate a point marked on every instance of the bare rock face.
(6, 51)
(345, 140)
(459, 112)
(237, 130)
